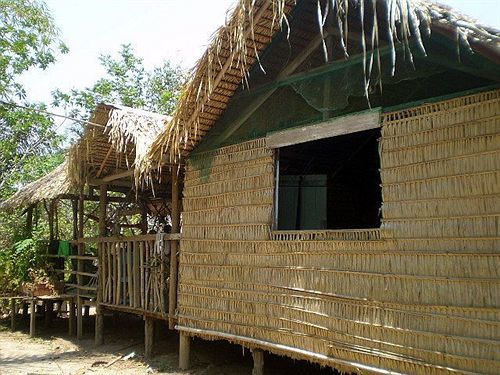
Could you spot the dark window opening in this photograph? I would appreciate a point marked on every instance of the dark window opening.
(332, 183)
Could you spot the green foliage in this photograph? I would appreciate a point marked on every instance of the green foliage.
(29, 147)
(28, 38)
(127, 82)
(19, 261)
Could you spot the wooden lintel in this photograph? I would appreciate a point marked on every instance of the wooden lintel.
(326, 129)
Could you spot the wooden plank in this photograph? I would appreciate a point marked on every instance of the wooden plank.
(326, 129)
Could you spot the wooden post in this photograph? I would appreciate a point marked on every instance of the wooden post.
(258, 362)
(32, 317)
(51, 220)
(144, 218)
(79, 279)
(184, 350)
(99, 317)
(49, 308)
(74, 207)
(149, 324)
(12, 314)
(175, 218)
(71, 320)
(79, 318)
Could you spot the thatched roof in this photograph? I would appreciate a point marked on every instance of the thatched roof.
(112, 142)
(235, 48)
(50, 186)
(113, 139)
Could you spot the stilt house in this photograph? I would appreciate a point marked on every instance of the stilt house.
(341, 193)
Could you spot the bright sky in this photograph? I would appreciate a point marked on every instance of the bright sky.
(178, 30)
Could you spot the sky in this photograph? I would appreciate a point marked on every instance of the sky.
(177, 30)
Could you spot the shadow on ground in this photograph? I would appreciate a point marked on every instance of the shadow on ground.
(125, 335)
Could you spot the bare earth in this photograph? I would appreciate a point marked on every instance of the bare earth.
(54, 352)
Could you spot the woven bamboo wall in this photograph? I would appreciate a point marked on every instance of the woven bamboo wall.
(422, 294)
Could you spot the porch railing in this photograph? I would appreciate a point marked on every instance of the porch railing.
(134, 272)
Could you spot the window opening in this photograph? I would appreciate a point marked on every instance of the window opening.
(332, 183)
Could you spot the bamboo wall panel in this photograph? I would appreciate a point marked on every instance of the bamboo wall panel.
(421, 294)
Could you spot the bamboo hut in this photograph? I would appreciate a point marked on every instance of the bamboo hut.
(341, 190)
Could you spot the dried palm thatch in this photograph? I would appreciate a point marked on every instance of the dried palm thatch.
(118, 138)
(235, 49)
(50, 186)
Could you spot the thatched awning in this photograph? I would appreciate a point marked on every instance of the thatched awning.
(235, 48)
(50, 186)
(112, 142)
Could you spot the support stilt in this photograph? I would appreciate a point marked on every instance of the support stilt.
(184, 350)
(99, 326)
(79, 318)
(148, 336)
(32, 317)
(71, 320)
(258, 362)
(13, 314)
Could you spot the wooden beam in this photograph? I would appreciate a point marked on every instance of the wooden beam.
(287, 71)
(104, 161)
(98, 182)
(327, 129)
(118, 175)
(227, 64)
(71, 319)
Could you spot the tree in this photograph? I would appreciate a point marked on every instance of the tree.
(28, 38)
(29, 145)
(127, 82)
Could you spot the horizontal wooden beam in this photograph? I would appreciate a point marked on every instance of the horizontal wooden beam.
(327, 129)
(118, 175)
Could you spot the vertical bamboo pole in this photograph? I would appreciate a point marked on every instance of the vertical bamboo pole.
(137, 275)
(99, 317)
(175, 217)
(130, 286)
(81, 251)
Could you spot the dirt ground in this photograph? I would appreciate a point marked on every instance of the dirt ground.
(54, 352)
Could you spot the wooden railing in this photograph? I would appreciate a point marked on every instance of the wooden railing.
(134, 272)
